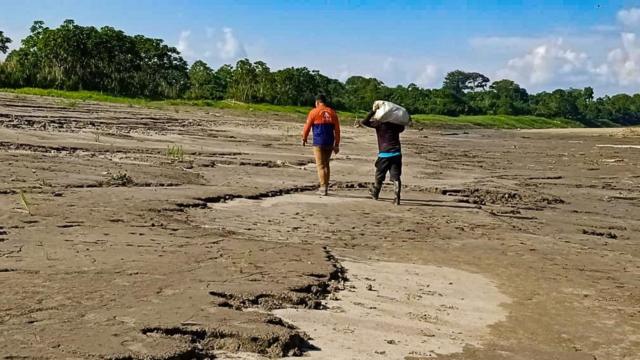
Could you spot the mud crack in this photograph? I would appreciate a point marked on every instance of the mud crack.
(269, 336)
(309, 296)
(204, 201)
(605, 234)
(533, 201)
(191, 353)
(277, 339)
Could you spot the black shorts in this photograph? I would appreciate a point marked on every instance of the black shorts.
(393, 165)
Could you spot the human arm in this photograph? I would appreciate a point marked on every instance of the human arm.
(307, 127)
(336, 129)
(367, 120)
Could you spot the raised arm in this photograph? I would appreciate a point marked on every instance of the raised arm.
(367, 120)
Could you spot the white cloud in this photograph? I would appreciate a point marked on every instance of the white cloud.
(392, 71)
(544, 63)
(230, 48)
(396, 71)
(629, 17)
(557, 64)
(183, 44)
(217, 47)
(429, 77)
(607, 56)
(624, 62)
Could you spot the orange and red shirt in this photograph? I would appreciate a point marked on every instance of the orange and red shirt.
(326, 127)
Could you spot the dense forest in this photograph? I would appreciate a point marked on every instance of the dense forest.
(74, 57)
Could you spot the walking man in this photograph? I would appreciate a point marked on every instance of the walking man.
(326, 138)
(389, 155)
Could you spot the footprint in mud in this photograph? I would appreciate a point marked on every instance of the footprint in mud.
(405, 310)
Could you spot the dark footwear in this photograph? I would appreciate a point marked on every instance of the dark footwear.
(397, 188)
(374, 191)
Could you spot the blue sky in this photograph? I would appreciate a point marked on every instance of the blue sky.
(541, 44)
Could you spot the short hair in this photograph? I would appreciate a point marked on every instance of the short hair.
(322, 98)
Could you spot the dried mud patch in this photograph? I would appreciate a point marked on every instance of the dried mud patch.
(308, 296)
(273, 339)
(254, 332)
(392, 311)
(480, 196)
(528, 199)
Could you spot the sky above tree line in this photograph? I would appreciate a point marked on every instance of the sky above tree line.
(541, 44)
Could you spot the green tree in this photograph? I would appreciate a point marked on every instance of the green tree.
(223, 77)
(507, 98)
(361, 92)
(446, 102)
(294, 86)
(333, 89)
(264, 79)
(202, 81)
(73, 57)
(4, 47)
(415, 99)
(243, 86)
(4, 42)
(459, 81)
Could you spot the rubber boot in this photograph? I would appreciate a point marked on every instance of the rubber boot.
(374, 190)
(397, 188)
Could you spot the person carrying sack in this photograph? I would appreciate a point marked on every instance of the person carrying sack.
(389, 121)
(326, 139)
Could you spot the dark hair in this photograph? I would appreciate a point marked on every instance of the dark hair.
(321, 98)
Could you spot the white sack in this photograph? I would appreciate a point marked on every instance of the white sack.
(387, 111)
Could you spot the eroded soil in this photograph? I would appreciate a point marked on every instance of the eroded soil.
(111, 247)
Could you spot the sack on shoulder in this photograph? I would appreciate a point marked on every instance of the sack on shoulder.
(386, 111)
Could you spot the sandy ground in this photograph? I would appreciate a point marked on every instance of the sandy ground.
(396, 309)
(508, 245)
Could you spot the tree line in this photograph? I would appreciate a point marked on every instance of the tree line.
(74, 57)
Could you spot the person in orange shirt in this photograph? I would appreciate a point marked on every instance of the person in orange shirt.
(326, 138)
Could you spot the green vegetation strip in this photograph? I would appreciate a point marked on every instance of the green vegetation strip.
(439, 121)
(495, 121)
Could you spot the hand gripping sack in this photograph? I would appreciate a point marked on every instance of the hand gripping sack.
(387, 111)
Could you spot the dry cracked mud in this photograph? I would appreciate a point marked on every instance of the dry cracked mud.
(508, 245)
